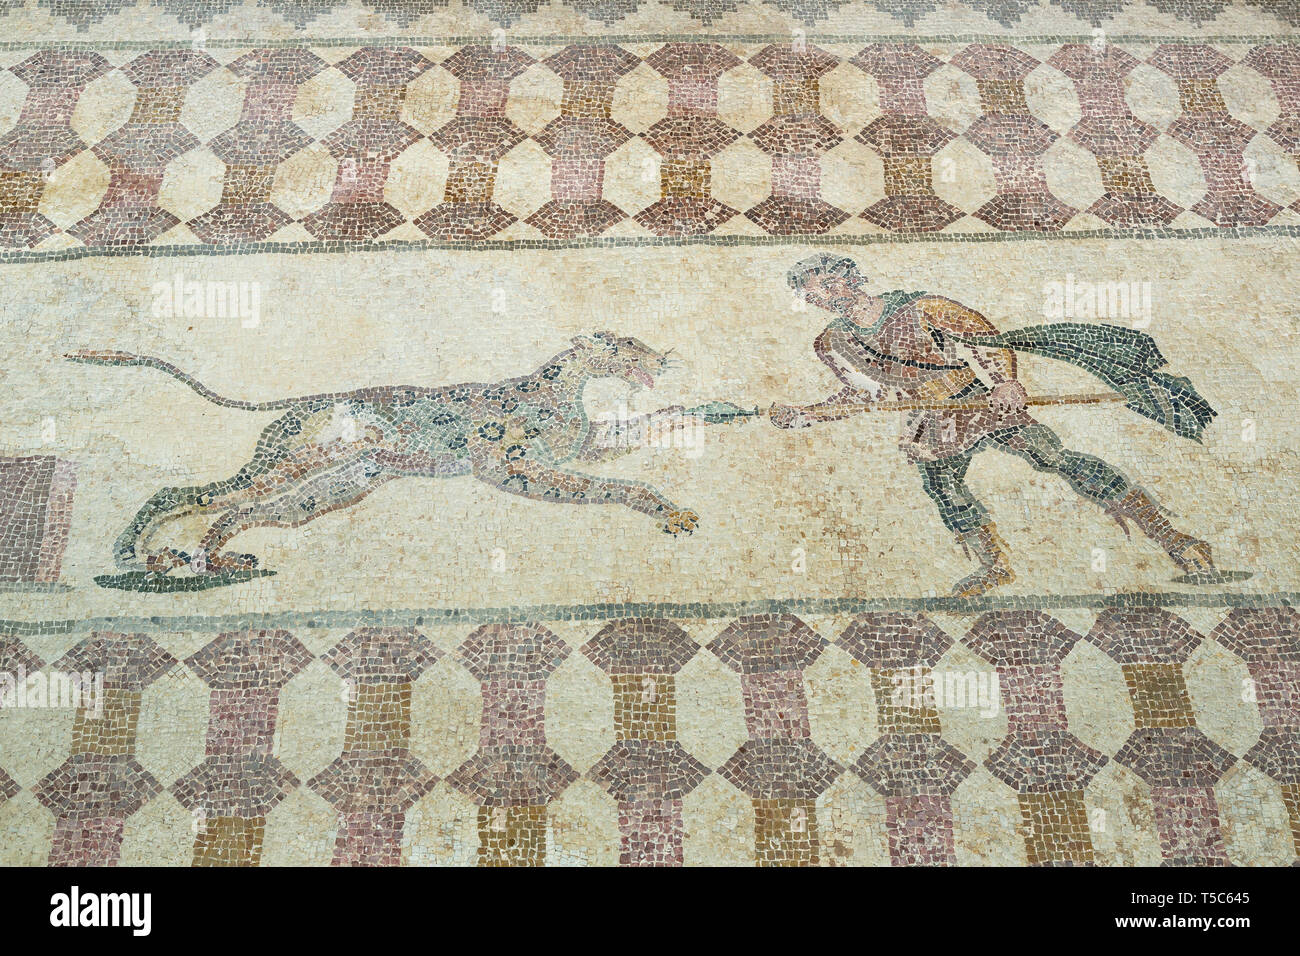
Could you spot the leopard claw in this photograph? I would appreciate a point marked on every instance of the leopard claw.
(233, 562)
(679, 521)
(166, 560)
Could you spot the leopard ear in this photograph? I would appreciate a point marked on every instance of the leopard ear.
(583, 341)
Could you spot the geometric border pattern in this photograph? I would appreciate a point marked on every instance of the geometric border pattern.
(584, 143)
(515, 774)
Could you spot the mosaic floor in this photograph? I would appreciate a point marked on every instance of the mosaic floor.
(931, 363)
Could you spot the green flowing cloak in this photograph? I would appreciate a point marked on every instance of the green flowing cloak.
(1125, 359)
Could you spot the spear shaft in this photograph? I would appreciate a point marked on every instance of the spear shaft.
(724, 413)
(1084, 398)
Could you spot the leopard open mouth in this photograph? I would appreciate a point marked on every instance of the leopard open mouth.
(644, 377)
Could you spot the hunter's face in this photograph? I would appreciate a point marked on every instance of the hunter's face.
(831, 292)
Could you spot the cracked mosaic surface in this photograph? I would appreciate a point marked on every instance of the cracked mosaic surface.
(636, 433)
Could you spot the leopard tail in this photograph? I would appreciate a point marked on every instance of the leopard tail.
(114, 358)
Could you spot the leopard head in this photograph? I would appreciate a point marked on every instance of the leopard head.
(608, 355)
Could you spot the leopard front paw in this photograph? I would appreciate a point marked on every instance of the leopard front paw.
(678, 521)
(165, 560)
(225, 561)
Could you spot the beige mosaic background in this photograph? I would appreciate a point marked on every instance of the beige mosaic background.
(842, 492)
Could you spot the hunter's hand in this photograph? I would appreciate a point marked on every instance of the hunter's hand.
(788, 416)
(1007, 398)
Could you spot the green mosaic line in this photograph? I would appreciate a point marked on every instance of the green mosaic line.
(431, 617)
(12, 257)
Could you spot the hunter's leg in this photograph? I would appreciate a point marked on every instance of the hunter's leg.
(1087, 474)
(1101, 482)
(962, 514)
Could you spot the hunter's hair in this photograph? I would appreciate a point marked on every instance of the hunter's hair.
(824, 264)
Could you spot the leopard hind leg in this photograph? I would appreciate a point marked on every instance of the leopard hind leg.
(339, 486)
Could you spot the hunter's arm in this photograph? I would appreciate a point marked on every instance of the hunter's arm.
(842, 404)
(953, 317)
(859, 387)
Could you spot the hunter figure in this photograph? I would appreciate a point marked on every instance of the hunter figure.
(910, 345)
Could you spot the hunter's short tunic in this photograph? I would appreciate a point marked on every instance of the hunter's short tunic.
(907, 356)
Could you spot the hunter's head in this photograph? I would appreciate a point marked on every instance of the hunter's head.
(826, 281)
